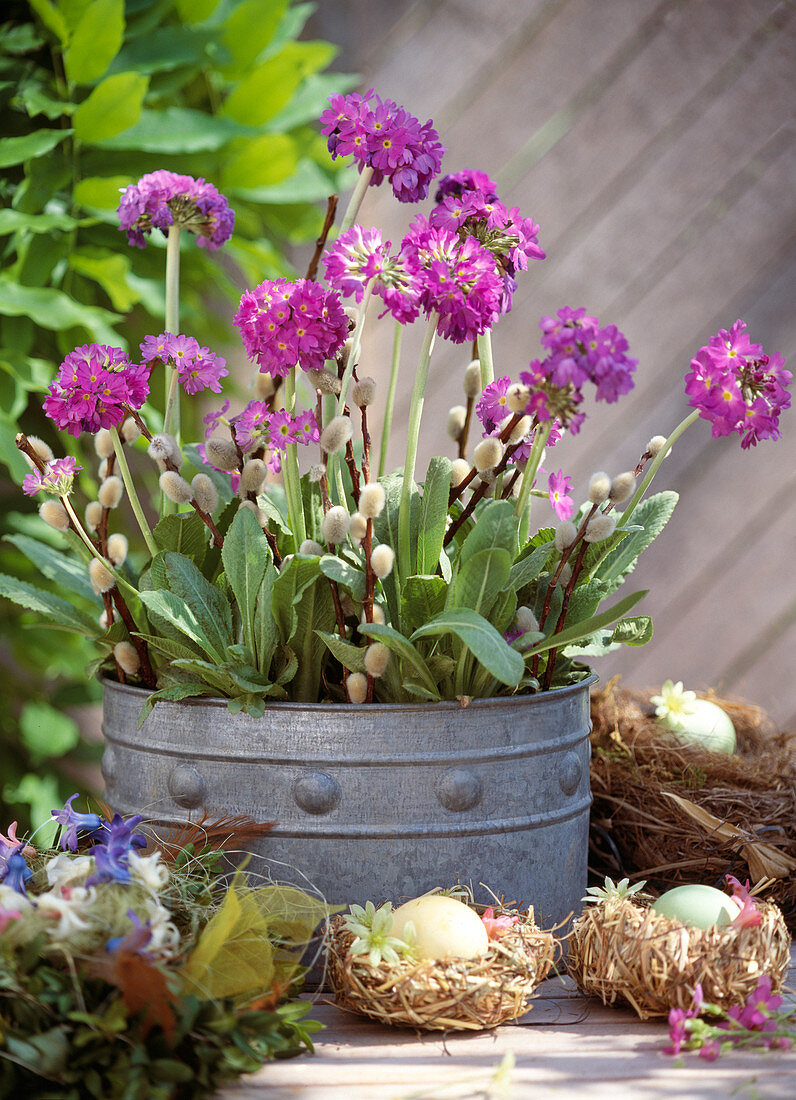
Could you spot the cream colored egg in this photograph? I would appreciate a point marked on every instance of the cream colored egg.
(697, 906)
(707, 726)
(444, 928)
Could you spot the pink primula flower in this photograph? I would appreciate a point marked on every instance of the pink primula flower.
(497, 926)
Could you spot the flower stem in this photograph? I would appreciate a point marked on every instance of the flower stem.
(388, 411)
(355, 201)
(129, 485)
(403, 562)
(531, 466)
(656, 462)
(356, 340)
(171, 416)
(78, 526)
(485, 359)
(290, 470)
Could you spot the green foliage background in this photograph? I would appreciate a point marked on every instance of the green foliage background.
(93, 94)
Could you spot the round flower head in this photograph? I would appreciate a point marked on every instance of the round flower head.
(738, 388)
(359, 255)
(457, 183)
(383, 136)
(161, 199)
(198, 368)
(580, 350)
(458, 280)
(56, 478)
(283, 323)
(95, 388)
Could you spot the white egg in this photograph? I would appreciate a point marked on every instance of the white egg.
(708, 726)
(444, 928)
(697, 906)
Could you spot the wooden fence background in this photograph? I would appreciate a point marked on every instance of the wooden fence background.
(652, 140)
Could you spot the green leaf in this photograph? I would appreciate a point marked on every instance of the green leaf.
(528, 569)
(174, 693)
(652, 514)
(351, 657)
(214, 675)
(196, 11)
(385, 528)
(111, 270)
(289, 587)
(266, 635)
(12, 221)
(495, 526)
(314, 611)
(56, 566)
(589, 626)
(405, 650)
(249, 28)
(171, 48)
(52, 309)
(15, 150)
(487, 646)
(311, 98)
(175, 130)
(101, 192)
(169, 647)
(307, 184)
(219, 479)
(51, 17)
(55, 609)
(259, 161)
(636, 630)
(47, 732)
(433, 514)
(246, 556)
(351, 578)
(585, 599)
(182, 534)
(177, 612)
(96, 40)
(480, 581)
(205, 600)
(270, 87)
(422, 599)
(113, 107)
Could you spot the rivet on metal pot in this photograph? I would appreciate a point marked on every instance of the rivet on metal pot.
(458, 789)
(186, 786)
(316, 792)
(570, 773)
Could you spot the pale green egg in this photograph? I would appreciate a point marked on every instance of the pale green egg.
(697, 906)
(708, 726)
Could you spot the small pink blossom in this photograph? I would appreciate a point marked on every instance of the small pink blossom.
(497, 926)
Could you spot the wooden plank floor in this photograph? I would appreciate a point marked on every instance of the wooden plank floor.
(567, 1046)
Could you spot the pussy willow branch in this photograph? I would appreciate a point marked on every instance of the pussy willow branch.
(465, 432)
(573, 580)
(102, 546)
(320, 244)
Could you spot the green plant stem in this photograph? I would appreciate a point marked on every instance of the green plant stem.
(355, 201)
(78, 526)
(656, 462)
(403, 563)
(393, 386)
(290, 470)
(531, 466)
(485, 359)
(129, 485)
(171, 410)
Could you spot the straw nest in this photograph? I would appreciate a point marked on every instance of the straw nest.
(445, 995)
(621, 950)
(671, 813)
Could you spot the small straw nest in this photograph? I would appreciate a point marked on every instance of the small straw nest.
(672, 813)
(445, 995)
(622, 950)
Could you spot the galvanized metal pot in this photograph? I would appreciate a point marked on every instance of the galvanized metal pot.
(376, 802)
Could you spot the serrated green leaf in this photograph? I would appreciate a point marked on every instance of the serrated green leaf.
(266, 635)
(422, 599)
(246, 556)
(289, 585)
(208, 604)
(479, 636)
(58, 611)
(385, 528)
(433, 514)
(351, 578)
(95, 42)
(169, 647)
(635, 630)
(652, 514)
(178, 614)
(405, 650)
(56, 566)
(15, 150)
(585, 599)
(214, 675)
(113, 107)
(182, 534)
(350, 656)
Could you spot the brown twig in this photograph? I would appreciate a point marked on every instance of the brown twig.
(365, 445)
(573, 580)
(147, 675)
(328, 222)
(465, 432)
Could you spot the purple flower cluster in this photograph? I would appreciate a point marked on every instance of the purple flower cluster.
(359, 255)
(493, 412)
(477, 211)
(754, 1023)
(738, 388)
(283, 323)
(198, 368)
(56, 477)
(14, 871)
(580, 351)
(71, 821)
(161, 199)
(259, 426)
(458, 279)
(112, 854)
(380, 135)
(95, 388)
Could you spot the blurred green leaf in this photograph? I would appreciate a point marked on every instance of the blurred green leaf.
(95, 42)
(101, 192)
(195, 11)
(249, 28)
(11, 221)
(113, 106)
(259, 162)
(53, 309)
(42, 795)
(270, 87)
(51, 17)
(15, 150)
(47, 732)
(111, 270)
(177, 130)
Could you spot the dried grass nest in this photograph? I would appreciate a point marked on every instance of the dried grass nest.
(445, 995)
(622, 950)
(671, 813)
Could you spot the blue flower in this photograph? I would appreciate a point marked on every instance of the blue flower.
(112, 855)
(71, 821)
(16, 872)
